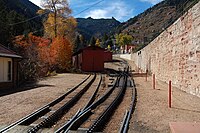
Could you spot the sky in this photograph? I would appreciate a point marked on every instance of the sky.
(121, 10)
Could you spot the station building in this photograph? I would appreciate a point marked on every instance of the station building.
(9, 75)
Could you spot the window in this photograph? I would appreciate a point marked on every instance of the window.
(9, 71)
(1, 70)
(5, 69)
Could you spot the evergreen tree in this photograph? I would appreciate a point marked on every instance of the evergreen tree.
(77, 44)
(92, 41)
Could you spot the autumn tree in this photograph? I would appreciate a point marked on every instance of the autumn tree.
(97, 42)
(55, 56)
(65, 27)
(48, 54)
(53, 51)
(64, 54)
(27, 47)
(59, 11)
(108, 47)
(43, 56)
(60, 27)
(123, 39)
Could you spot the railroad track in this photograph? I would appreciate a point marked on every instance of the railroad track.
(73, 98)
(93, 118)
(49, 114)
(87, 98)
(125, 123)
(82, 108)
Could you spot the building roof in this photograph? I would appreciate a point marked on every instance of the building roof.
(89, 48)
(5, 52)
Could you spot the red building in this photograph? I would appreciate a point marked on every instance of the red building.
(107, 56)
(91, 59)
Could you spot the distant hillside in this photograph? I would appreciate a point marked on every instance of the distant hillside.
(13, 12)
(149, 24)
(96, 27)
(23, 7)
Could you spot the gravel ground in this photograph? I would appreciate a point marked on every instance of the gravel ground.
(18, 105)
(152, 114)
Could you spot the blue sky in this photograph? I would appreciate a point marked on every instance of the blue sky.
(122, 10)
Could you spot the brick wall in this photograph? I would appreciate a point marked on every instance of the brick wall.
(175, 53)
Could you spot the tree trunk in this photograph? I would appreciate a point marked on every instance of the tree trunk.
(55, 17)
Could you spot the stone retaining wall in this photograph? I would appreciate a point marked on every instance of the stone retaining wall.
(175, 53)
(123, 56)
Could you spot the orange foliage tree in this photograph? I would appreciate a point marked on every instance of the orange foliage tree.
(54, 53)
(43, 55)
(57, 55)
(27, 47)
(60, 27)
(65, 53)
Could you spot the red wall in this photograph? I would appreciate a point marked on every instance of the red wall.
(107, 56)
(93, 60)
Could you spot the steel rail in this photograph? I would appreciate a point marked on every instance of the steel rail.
(53, 118)
(123, 122)
(87, 111)
(70, 91)
(68, 123)
(92, 98)
(41, 111)
(127, 117)
(90, 101)
(104, 97)
(97, 125)
(80, 119)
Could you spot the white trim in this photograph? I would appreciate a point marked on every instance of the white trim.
(10, 55)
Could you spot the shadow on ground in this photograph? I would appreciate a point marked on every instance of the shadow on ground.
(25, 87)
(195, 111)
(115, 60)
(110, 71)
(139, 74)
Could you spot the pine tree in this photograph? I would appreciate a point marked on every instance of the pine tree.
(92, 41)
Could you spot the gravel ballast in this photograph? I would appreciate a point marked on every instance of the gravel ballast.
(18, 105)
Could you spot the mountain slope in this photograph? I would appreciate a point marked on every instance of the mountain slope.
(23, 7)
(149, 24)
(96, 27)
(14, 11)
